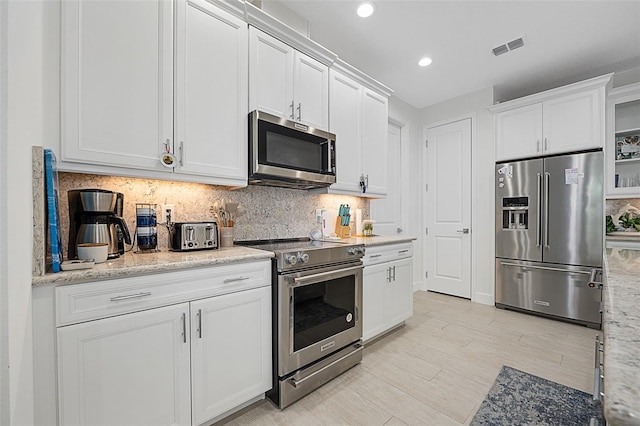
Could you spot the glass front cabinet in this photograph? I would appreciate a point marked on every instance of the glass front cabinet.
(623, 142)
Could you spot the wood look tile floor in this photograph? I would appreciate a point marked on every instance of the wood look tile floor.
(438, 368)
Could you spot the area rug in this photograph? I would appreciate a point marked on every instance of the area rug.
(519, 398)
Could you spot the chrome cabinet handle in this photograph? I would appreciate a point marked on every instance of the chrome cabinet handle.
(299, 111)
(546, 144)
(184, 328)
(389, 274)
(463, 230)
(403, 251)
(181, 154)
(231, 280)
(130, 296)
(374, 256)
(394, 273)
(199, 323)
(537, 145)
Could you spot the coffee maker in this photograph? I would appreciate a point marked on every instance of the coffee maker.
(95, 216)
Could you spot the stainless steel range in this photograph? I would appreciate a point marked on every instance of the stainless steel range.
(317, 318)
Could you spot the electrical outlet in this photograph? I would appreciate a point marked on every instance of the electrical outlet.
(168, 213)
(319, 215)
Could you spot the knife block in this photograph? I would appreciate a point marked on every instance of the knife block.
(341, 230)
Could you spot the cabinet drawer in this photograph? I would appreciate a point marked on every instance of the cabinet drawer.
(100, 299)
(387, 253)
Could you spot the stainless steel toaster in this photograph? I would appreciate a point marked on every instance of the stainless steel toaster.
(184, 236)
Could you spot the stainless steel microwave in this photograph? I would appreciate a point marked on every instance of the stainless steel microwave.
(289, 154)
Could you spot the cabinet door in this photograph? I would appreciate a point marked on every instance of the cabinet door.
(230, 351)
(573, 123)
(311, 91)
(374, 280)
(127, 370)
(519, 132)
(211, 92)
(399, 293)
(117, 82)
(375, 121)
(270, 75)
(345, 123)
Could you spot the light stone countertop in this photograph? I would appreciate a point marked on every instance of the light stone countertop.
(151, 263)
(621, 329)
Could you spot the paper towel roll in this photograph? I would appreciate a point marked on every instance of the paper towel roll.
(359, 228)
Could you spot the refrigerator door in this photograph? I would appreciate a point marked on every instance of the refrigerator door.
(518, 198)
(574, 205)
(549, 289)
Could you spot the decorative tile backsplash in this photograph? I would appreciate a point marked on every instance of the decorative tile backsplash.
(271, 212)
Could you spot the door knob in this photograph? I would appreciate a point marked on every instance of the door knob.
(399, 230)
(463, 230)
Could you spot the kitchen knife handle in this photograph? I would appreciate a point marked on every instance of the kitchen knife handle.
(546, 209)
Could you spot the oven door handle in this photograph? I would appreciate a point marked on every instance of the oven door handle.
(309, 279)
(297, 382)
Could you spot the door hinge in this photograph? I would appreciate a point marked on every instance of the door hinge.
(426, 143)
(426, 231)
(426, 274)
(426, 187)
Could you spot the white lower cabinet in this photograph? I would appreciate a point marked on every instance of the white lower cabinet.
(230, 351)
(387, 295)
(127, 370)
(188, 363)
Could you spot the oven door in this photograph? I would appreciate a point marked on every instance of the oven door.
(318, 314)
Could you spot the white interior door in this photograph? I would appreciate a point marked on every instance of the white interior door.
(387, 212)
(448, 208)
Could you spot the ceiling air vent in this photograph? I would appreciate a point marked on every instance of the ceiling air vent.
(500, 50)
(507, 47)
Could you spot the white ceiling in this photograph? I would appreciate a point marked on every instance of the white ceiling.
(565, 41)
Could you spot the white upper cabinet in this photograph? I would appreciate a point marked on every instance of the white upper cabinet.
(519, 132)
(570, 118)
(574, 122)
(286, 82)
(119, 114)
(346, 118)
(375, 122)
(117, 82)
(211, 91)
(359, 119)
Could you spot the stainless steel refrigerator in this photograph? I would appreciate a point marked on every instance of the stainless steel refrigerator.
(549, 236)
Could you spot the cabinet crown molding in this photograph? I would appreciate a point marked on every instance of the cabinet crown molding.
(603, 81)
(623, 91)
(360, 77)
(274, 27)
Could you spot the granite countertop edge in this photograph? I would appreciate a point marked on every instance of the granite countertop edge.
(132, 264)
(621, 330)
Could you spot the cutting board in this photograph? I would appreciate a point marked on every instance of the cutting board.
(53, 210)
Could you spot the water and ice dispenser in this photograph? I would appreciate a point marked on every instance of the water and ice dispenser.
(515, 213)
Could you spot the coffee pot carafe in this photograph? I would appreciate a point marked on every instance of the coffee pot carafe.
(95, 216)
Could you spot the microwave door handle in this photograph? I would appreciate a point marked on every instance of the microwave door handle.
(310, 279)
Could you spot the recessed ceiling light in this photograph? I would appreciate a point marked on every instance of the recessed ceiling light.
(425, 62)
(366, 9)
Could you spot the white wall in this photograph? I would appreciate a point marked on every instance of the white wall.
(474, 104)
(408, 118)
(24, 53)
(4, 306)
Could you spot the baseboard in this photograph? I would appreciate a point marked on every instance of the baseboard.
(484, 298)
(417, 286)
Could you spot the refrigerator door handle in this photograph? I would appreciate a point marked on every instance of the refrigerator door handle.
(539, 218)
(545, 268)
(546, 209)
